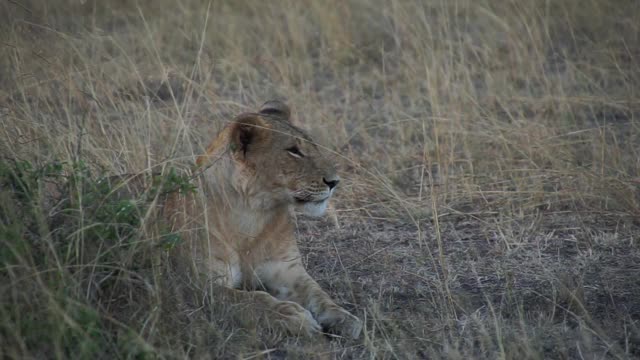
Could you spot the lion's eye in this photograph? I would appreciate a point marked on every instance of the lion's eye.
(295, 151)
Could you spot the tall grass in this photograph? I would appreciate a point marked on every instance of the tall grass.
(519, 118)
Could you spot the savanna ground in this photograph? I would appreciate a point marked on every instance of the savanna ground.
(489, 152)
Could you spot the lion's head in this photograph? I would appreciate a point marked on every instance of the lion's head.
(275, 163)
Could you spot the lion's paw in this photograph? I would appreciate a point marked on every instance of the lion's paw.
(340, 321)
(296, 319)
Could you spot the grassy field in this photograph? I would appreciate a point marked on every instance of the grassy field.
(489, 150)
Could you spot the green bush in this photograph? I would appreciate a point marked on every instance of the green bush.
(70, 242)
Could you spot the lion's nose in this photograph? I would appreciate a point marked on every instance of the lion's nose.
(331, 183)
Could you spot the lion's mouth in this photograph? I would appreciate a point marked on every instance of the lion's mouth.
(312, 204)
(307, 200)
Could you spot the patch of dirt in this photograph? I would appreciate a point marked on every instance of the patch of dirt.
(560, 272)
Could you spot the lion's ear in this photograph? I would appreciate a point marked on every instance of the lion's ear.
(276, 108)
(248, 130)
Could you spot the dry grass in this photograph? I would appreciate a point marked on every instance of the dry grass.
(490, 155)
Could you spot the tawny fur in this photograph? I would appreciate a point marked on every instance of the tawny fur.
(238, 227)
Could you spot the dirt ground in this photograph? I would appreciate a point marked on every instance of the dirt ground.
(543, 293)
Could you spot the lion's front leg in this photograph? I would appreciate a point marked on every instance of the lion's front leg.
(288, 280)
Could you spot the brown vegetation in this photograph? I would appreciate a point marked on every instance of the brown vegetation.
(489, 154)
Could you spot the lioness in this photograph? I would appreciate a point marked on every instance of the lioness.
(240, 232)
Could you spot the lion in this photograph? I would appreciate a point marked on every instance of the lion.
(239, 226)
